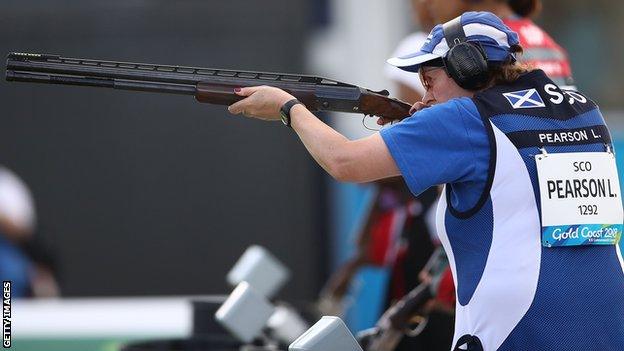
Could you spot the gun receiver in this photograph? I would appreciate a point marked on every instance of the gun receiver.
(208, 85)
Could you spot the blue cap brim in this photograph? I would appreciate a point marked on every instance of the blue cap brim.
(413, 62)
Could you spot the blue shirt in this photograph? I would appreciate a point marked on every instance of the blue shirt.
(14, 266)
(445, 143)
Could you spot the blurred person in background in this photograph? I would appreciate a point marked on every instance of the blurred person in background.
(539, 49)
(394, 234)
(23, 261)
(410, 89)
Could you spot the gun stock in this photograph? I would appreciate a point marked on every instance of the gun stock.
(208, 85)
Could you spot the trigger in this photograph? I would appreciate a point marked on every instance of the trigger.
(383, 92)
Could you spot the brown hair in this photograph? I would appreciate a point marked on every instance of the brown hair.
(508, 71)
(525, 8)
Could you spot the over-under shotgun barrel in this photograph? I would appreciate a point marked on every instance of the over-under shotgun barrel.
(208, 85)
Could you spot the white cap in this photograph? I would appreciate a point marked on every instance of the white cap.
(16, 201)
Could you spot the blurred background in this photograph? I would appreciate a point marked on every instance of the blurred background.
(142, 195)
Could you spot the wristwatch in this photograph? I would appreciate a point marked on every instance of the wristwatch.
(285, 111)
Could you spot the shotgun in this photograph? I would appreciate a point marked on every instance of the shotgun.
(208, 85)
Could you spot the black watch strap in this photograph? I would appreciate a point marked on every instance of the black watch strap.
(285, 111)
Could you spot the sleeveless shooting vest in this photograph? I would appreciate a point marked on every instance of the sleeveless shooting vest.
(513, 291)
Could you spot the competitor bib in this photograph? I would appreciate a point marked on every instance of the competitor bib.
(581, 202)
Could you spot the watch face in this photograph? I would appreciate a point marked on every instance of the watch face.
(284, 118)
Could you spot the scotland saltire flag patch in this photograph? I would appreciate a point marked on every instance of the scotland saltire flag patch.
(529, 98)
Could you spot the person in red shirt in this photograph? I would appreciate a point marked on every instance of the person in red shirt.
(540, 50)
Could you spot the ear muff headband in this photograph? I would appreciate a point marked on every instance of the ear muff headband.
(454, 32)
(466, 62)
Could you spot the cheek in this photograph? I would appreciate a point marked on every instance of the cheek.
(443, 91)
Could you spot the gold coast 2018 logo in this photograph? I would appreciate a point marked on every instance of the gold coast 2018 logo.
(6, 314)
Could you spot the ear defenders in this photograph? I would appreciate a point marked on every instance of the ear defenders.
(466, 62)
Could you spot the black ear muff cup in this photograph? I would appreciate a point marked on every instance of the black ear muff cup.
(467, 65)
